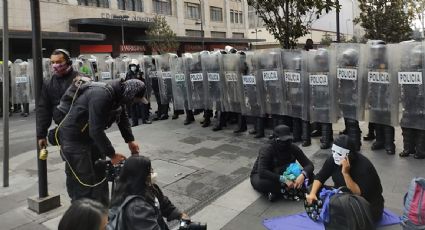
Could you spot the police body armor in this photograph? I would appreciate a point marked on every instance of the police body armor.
(252, 86)
(180, 83)
(270, 69)
(211, 64)
(164, 76)
(232, 82)
(322, 86)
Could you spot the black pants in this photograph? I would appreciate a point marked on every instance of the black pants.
(385, 136)
(301, 130)
(162, 108)
(353, 132)
(81, 157)
(413, 141)
(134, 111)
(264, 185)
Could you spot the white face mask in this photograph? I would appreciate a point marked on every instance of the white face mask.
(133, 68)
(339, 154)
(154, 175)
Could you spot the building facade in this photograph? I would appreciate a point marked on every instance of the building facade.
(119, 26)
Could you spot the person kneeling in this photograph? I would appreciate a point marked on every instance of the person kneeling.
(149, 206)
(350, 169)
(275, 170)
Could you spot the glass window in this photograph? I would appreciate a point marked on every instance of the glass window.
(95, 3)
(131, 5)
(232, 16)
(217, 34)
(240, 18)
(216, 14)
(192, 10)
(193, 33)
(238, 35)
(162, 6)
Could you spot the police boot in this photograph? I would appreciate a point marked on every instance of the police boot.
(380, 138)
(345, 129)
(409, 136)
(371, 132)
(326, 135)
(260, 127)
(317, 130)
(389, 139)
(189, 117)
(353, 131)
(306, 134)
(242, 127)
(296, 129)
(420, 146)
(221, 121)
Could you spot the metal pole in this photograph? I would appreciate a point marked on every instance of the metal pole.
(38, 79)
(338, 35)
(122, 30)
(202, 25)
(6, 84)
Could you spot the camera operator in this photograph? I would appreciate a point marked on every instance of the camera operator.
(82, 133)
(150, 206)
(51, 93)
(273, 160)
(350, 169)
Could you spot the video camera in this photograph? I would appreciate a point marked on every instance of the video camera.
(112, 171)
(189, 225)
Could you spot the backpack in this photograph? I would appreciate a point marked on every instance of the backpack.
(115, 214)
(349, 212)
(414, 205)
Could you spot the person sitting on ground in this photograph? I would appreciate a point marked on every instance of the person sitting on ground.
(268, 174)
(84, 214)
(349, 168)
(148, 209)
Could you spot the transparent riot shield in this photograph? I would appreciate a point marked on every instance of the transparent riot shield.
(180, 84)
(105, 68)
(270, 69)
(252, 86)
(296, 84)
(232, 83)
(350, 80)
(411, 62)
(20, 82)
(121, 67)
(198, 82)
(163, 63)
(382, 97)
(213, 70)
(322, 86)
(47, 69)
(151, 74)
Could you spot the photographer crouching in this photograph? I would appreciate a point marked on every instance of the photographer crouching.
(138, 202)
(89, 109)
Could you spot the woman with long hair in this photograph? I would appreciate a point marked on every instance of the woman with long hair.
(84, 214)
(148, 206)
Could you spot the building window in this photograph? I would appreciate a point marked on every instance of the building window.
(162, 6)
(216, 14)
(193, 33)
(217, 34)
(236, 17)
(192, 10)
(96, 3)
(238, 35)
(131, 5)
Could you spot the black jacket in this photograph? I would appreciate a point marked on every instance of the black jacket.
(268, 166)
(95, 110)
(132, 75)
(50, 96)
(142, 214)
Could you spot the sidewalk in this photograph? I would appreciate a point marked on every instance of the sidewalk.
(202, 172)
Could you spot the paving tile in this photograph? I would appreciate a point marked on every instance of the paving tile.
(215, 216)
(191, 140)
(205, 152)
(170, 172)
(228, 148)
(244, 221)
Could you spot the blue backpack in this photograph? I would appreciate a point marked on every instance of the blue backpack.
(414, 206)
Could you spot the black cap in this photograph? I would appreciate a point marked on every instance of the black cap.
(345, 142)
(282, 133)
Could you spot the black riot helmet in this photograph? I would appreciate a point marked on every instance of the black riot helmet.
(378, 51)
(321, 59)
(416, 57)
(349, 57)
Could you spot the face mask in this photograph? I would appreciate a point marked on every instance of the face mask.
(339, 154)
(153, 177)
(61, 69)
(133, 68)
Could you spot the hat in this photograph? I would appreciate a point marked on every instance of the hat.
(345, 142)
(282, 133)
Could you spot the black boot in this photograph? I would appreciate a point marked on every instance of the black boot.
(317, 130)
(306, 134)
(189, 117)
(242, 126)
(353, 132)
(207, 122)
(389, 139)
(371, 132)
(222, 116)
(260, 127)
(380, 138)
(327, 136)
(296, 129)
(420, 145)
(409, 136)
